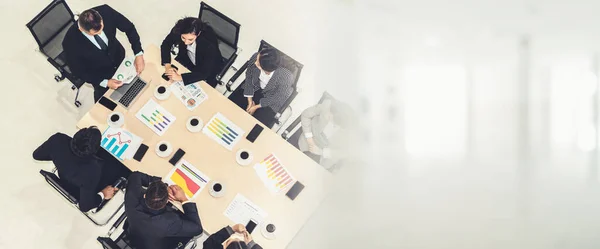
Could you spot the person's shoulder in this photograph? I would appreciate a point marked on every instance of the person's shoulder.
(60, 137)
(103, 8)
(71, 32)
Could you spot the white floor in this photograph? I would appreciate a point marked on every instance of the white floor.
(475, 140)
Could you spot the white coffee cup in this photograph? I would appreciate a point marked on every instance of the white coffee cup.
(115, 119)
(194, 124)
(243, 157)
(217, 189)
(164, 149)
(162, 92)
(268, 230)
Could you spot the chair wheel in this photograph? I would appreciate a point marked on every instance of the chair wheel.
(57, 78)
(77, 103)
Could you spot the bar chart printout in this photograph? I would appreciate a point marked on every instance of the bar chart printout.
(120, 143)
(188, 177)
(223, 131)
(273, 174)
(157, 118)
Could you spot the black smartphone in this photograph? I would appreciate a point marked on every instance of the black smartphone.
(254, 133)
(250, 226)
(139, 154)
(107, 103)
(295, 190)
(178, 155)
(165, 77)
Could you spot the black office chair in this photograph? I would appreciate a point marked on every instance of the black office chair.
(286, 62)
(65, 189)
(123, 241)
(48, 29)
(228, 32)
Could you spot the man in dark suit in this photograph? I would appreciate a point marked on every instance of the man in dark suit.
(86, 171)
(198, 52)
(266, 88)
(153, 225)
(93, 52)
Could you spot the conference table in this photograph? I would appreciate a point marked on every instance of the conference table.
(219, 163)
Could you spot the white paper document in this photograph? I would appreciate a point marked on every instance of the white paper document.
(241, 210)
(126, 71)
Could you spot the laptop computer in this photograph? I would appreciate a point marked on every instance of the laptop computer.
(127, 93)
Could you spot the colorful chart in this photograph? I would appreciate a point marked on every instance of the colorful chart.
(155, 117)
(273, 174)
(223, 131)
(186, 176)
(120, 143)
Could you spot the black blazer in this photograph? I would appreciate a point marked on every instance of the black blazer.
(215, 240)
(79, 176)
(208, 57)
(149, 229)
(90, 63)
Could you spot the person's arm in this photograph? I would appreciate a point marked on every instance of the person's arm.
(306, 119)
(165, 48)
(135, 182)
(88, 199)
(216, 239)
(208, 64)
(248, 87)
(188, 225)
(127, 27)
(42, 153)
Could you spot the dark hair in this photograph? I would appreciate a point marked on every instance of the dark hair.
(269, 59)
(237, 245)
(86, 142)
(157, 195)
(188, 25)
(90, 20)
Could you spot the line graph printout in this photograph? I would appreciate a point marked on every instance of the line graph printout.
(188, 177)
(120, 143)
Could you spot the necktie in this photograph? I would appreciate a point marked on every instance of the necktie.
(101, 42)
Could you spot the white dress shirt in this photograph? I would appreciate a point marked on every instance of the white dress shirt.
(191, 51)
(103, 36)
(264, 80)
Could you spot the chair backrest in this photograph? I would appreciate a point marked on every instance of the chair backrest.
(50, 26)
(227, 30)
(286, 62)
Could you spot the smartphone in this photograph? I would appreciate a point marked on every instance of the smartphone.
(107, 103)
(165, 77)
(295, 190)
(250, 226)
(254, 133)
(139, 154)
(178, 155)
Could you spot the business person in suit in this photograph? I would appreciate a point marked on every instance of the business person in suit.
(235, 237)
(327, 132)
(86, 171)
(267, 86)
(93, 52)
(151, 224)
(198, 52)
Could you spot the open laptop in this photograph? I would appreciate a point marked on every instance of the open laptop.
(127, 93)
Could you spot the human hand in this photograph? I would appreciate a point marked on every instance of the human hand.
(239, 228)
(109, 192)
(253, 109)
(250, 104)
(173, 75)
(139, 64)
(176, 193)
(114, 84)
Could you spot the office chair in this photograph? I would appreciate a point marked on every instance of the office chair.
(228, 32)
(123, 241)
(64, 190)
(286, 62)
(48, 29)
(295, 129)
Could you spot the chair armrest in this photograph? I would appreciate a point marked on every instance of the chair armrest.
(117, 223)
(54, 181)
(227, 66)
(236, 76)
(108, 243)
(290, 128)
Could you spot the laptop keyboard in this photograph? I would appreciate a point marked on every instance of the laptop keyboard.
(132, 92)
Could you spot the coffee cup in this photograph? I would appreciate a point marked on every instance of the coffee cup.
(194, 124)
(217, 190)
(164, 149)
(162, 92)
(243, 157)
(115, 119)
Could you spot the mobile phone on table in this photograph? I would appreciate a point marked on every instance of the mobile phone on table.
(107, 103)
(254, 133)
(250, 226)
